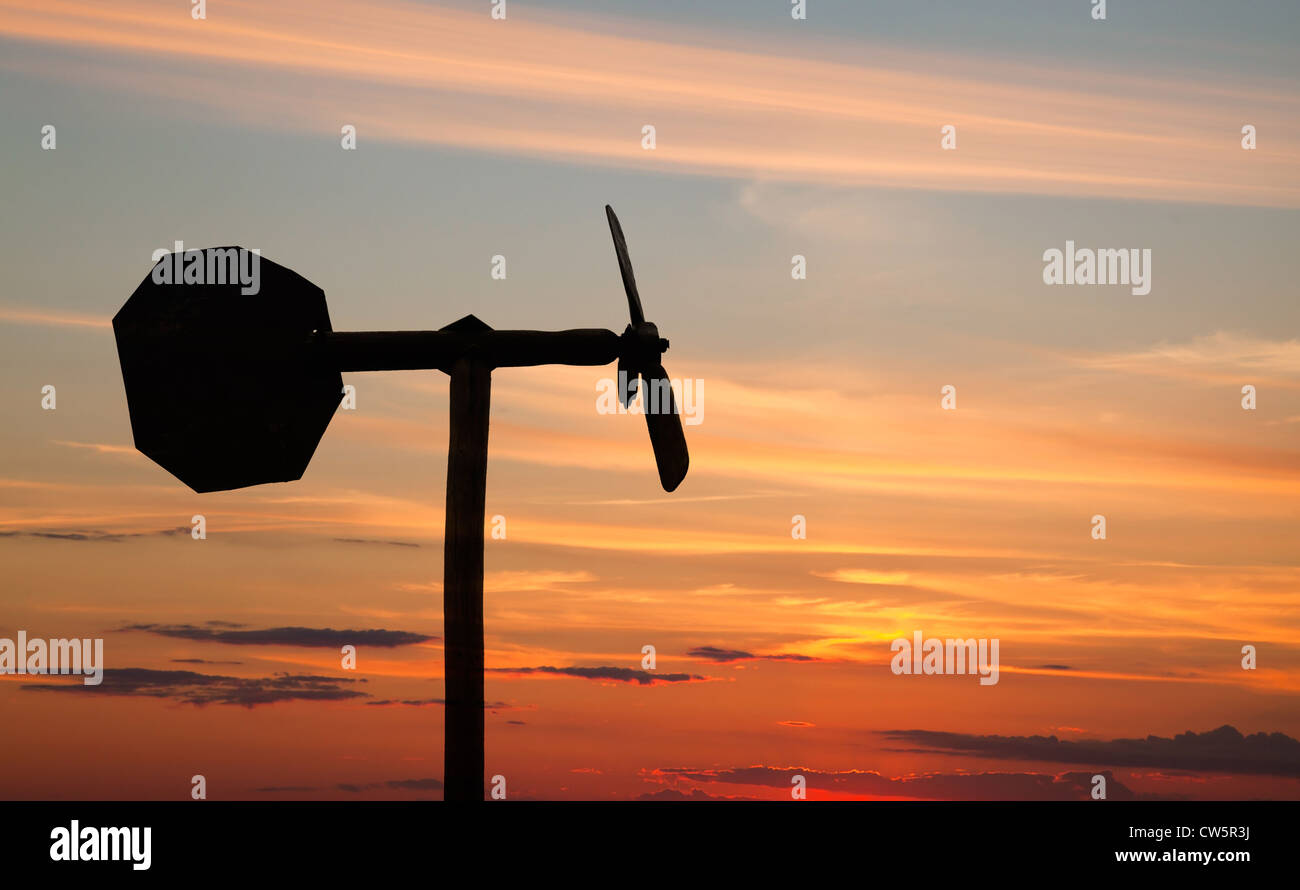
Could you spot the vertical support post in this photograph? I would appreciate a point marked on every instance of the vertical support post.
(462, 580)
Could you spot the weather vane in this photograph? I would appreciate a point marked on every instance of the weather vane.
(228, 389)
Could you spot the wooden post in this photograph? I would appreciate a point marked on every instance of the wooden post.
(462, 579)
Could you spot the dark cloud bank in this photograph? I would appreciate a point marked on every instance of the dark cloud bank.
(938, 786)
(307, 637)
(722, 656)
(1223, 750)
(617, 674)
(189, 687)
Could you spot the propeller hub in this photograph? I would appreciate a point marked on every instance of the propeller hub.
(642, 346)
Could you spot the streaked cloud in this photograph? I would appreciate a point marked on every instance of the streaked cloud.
(1220, 357)
(46, 318)
(432, 703)
(371, 541)
(603, 674)
(91, 535)
(99, 447)
(312, 637)
(560, 88)
(1223, 750)
(426, 784)
(724, 656)
(190, 687)
(934, 786)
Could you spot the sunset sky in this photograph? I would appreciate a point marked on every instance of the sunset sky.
(820, 397)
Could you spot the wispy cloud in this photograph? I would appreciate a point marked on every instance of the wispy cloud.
(372, 541)
(189, 687)
(1223, 356)
(695, 794)
(311, 637)
(723, 656)
(427, 784)
(91, 535)
(603, 674)
(44, 317)
(933, 786)
(432, 703)
(98, 447)
(559, 87)
(1221, 750)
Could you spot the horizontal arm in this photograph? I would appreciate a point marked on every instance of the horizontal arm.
(411, 350)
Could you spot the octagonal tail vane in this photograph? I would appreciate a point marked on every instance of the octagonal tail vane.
(639, 365)
(223, 388)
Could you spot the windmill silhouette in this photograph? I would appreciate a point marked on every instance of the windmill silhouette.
(228, 390)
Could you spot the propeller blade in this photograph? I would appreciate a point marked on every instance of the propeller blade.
(628, 381)
(625, 268)
(665, 425)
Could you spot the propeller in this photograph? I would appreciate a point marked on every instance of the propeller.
(639, 366)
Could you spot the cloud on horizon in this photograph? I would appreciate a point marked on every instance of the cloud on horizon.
(189, 687)
(433, 703)
(933, 786)
(93, 535)
(672, 794)
(428, 784)
(615, 674)
(307, 637)
(370, 541)
(1223, 750)
(724, 656)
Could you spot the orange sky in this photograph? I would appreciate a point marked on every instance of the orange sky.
(967, 523)
(905, 533)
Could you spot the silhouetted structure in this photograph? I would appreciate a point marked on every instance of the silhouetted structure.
(228, 390)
